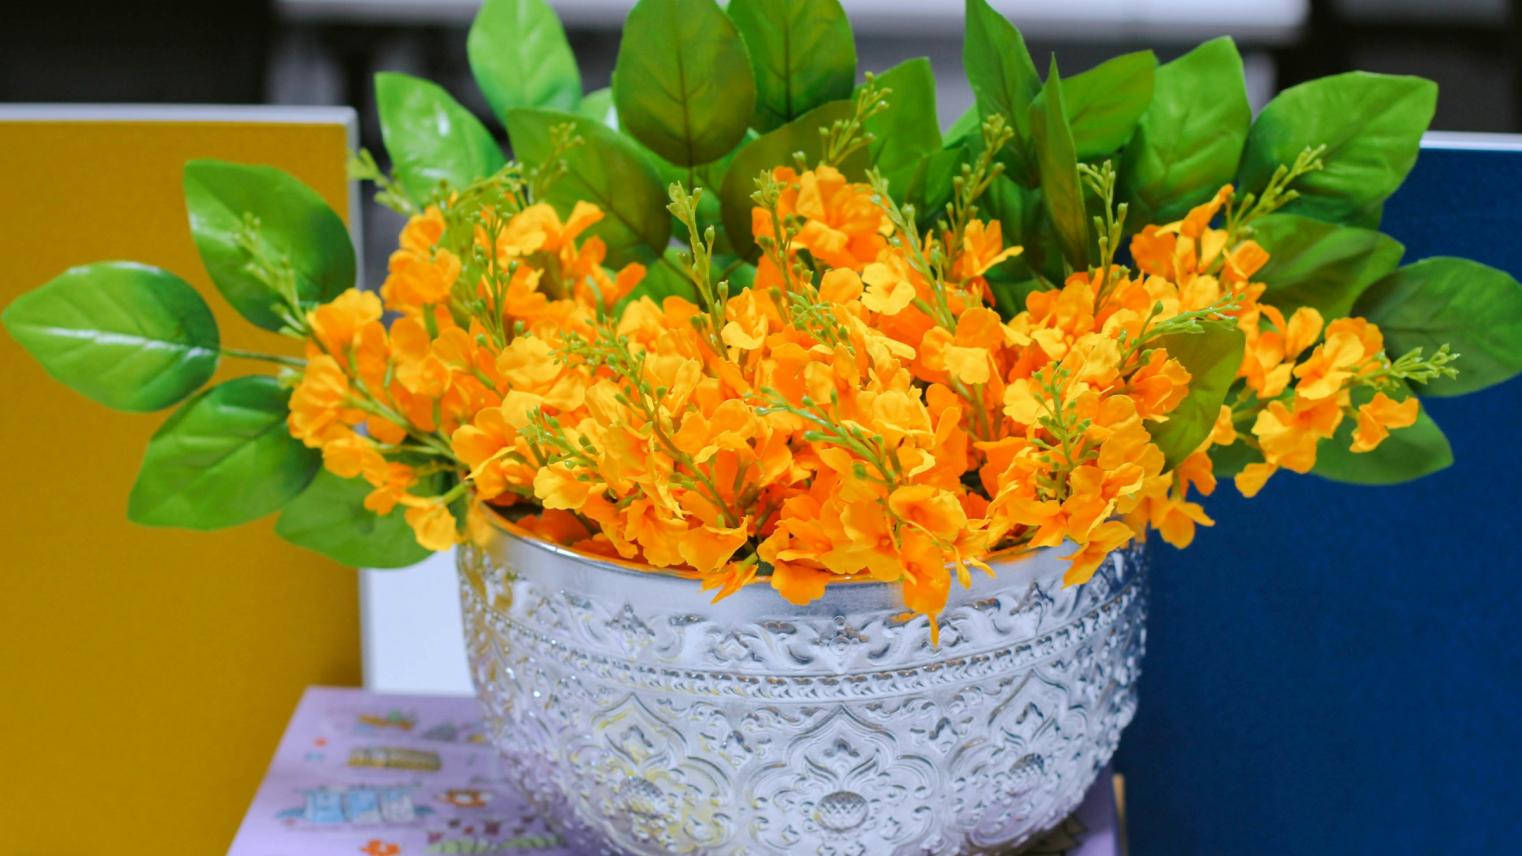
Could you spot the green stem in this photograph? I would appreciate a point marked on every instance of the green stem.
(437, 442)
(296, 362)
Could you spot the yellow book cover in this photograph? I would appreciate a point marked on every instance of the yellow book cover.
(155, 665)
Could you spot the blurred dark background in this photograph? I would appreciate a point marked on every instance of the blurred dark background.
(323, 52)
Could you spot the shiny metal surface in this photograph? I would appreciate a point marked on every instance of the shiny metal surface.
(652, 721)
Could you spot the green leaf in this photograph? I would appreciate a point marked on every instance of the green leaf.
(330, 518)
(1371, 125)
(772, 149)
(1016, 207)
(597, 105)
(1232, 458)
(967, 125)
(738, 272)
(520, 57)
(294, 225)
(606, 169)
(1370, 217)
(431, 138)
(1021, 213)
(1061, 189)
(802, 54)
(224, 458)
(1475, 309)
(1407, 454)
(1212, 357)
(1002, 76)
(682, 83)
(1322, 265)
(1190, 139)
(928, 187)
(707, 179)
(908, 130)
(1105, 103)
(126, 335)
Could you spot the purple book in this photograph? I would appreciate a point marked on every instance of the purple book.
(367, 774)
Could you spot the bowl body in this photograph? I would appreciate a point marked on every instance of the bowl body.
(645, 719)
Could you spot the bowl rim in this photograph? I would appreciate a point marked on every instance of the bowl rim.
(626, 568)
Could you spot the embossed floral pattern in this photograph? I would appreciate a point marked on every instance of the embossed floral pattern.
(656, 725)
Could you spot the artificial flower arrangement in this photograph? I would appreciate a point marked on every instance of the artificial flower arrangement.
(747, 317)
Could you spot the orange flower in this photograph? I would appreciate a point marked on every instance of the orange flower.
(372, 355)
(489, 446)
(558, 487)
(538, 228)
(1198, 219)
(1153, 250)
(840, 286)
(889, 289)
(1244, 261)
(1176, 520)
(730, 579)
(1159, 385)
(423, 231)
(982, 249)
(799, 584)
(392, 484)
(926, 580)
(1376, 418)
(418, 279)
(933, 511)
(320, 408)
(968, 354)
(432, 523)
(1252, 478)
(1289, 434)
(860, 412)
(628, 278)
(751, 316)
(336, 325)
(841, 224)
(351, 455)
(1197, 472)
(1350, 346)
(418, 369)
(559, 527)
(1086, 559)
(1224, 432)
(708, 548)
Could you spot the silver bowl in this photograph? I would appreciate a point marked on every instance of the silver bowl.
(644, 719)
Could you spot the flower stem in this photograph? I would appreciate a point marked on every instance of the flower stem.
(259, 355)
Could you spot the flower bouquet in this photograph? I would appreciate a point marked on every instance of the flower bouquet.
(768, 335)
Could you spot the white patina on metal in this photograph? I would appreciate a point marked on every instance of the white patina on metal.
(651, 721)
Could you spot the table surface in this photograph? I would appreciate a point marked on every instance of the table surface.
(402, 775)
